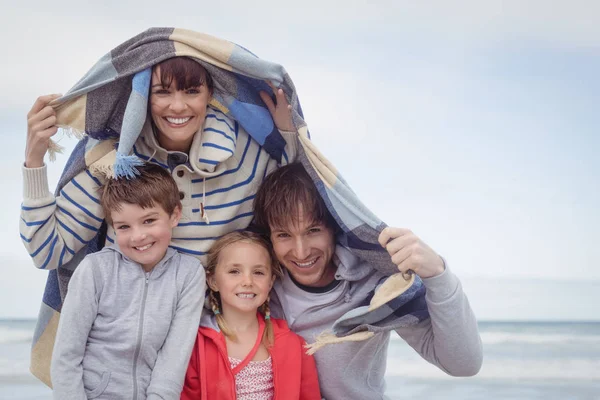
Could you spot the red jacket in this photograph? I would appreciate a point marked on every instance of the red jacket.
(209, 375)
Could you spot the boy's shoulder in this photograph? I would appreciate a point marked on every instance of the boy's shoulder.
(105, 256)
(187, 260)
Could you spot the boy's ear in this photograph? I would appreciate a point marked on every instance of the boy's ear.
(175, 216)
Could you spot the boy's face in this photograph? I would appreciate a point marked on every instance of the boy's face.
(143, 234)
(306, 250)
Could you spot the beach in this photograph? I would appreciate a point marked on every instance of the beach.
(522, 360)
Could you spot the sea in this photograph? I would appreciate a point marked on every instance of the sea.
(522, 360)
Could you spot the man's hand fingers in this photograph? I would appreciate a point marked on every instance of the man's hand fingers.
(390, 233)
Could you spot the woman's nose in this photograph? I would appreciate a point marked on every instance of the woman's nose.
(178, 103)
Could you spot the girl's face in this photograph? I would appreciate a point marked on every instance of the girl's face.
(178, 114)
(243, 277)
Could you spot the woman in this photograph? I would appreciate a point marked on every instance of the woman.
(216, 164)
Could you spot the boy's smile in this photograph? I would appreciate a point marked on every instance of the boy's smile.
(144, 234)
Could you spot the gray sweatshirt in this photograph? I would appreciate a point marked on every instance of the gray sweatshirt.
(125, 333)
(448, 339)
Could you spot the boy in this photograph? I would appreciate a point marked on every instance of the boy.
(323, 280)
(130, 317)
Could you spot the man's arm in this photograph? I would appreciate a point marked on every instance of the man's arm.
(77, 317)
(450, 338)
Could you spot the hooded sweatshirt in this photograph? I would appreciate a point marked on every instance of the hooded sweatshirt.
(210, 376)
(125, 333)
(448, 339)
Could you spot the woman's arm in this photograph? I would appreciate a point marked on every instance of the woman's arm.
(41, 120)
(52, 228)
(281, 112)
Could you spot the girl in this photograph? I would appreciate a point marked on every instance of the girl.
(240, 351)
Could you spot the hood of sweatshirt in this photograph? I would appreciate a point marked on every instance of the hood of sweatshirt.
(158, 269)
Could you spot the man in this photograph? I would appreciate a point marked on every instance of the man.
(323, 280)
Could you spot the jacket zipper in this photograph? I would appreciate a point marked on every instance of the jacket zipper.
(139, 337)
(225, 357)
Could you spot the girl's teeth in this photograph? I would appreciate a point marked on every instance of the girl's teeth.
(178, 121)
(146, 247)
(246, 295)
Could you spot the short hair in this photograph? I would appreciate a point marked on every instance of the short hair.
(283, 194)
(211, 264)
(153, 186)
(186, 73)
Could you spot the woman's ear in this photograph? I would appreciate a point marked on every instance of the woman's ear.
(175, 216)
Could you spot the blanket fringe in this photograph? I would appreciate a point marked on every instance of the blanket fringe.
(326, 338)
(54, 148)
(393, 287)
(98, 169)
(125, 166)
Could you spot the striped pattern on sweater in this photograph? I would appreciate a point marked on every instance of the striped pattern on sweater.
(223, 171)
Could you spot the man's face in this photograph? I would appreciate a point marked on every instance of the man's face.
(306, 250)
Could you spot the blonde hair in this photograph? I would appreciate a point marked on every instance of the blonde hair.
(215, 299)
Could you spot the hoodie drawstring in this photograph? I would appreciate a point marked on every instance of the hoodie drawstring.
(204, 214)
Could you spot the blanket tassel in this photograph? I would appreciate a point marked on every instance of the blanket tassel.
(326, 338)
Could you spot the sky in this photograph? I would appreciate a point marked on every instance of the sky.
(472, 123)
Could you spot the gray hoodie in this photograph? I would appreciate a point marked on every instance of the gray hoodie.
(125, 333)
(448, 339)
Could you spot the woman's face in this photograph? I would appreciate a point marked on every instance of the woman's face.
(178, 114)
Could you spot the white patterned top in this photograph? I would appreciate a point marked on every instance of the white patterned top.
(254, 381)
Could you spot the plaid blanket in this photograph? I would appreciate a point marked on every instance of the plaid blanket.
(96, 105)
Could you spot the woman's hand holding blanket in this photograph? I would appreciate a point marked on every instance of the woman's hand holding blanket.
(281, 111)
(41, 121)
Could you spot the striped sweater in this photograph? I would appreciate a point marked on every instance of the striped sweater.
(217, 182)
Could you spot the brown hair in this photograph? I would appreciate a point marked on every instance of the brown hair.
(211, 264)
(154, 185)
(283, 194)
(186, 73)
